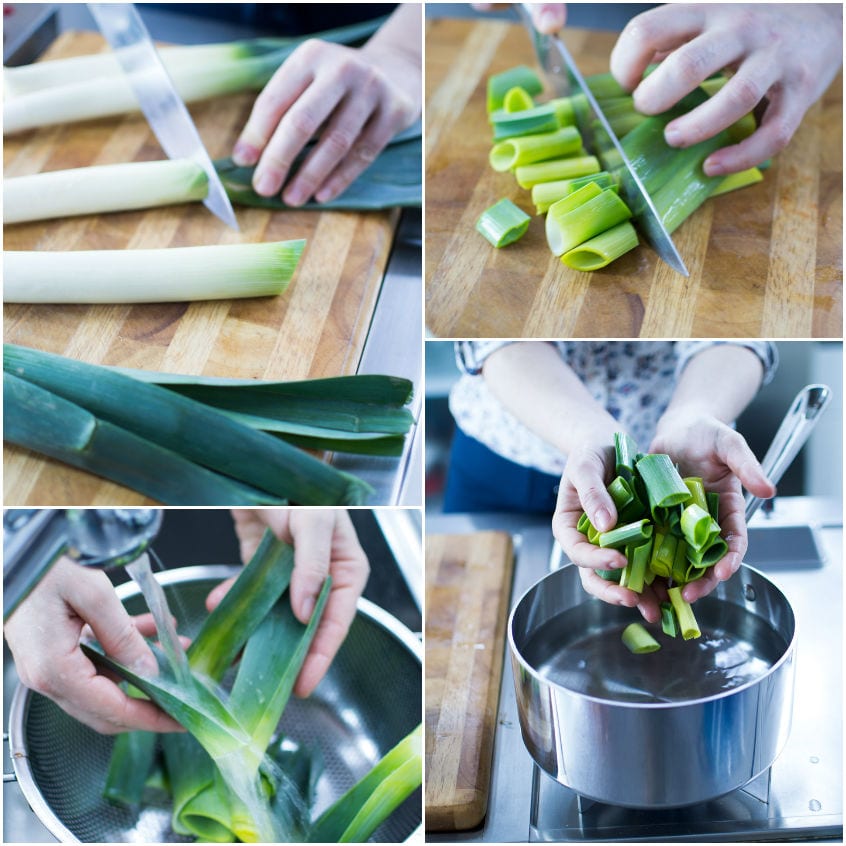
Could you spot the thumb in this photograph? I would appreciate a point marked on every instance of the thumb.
(739, 458)
(587, 475)
(93, 598)
(548, 18)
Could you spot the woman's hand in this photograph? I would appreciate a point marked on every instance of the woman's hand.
(704, 446)
(583, 489)
(354, 100)
(44, 634)
(325, 543)
(785, 53)
(548, 18)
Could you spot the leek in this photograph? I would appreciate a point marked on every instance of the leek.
(634, 574)
(663, 554)
(638, 640)
(41, 421)
(97, 88)
(570, 168)
(149, 276)
(684, 614)
(518, 77)
(517, 99)
(625, 455)
(529, 149)
(199, 433)
(602, 249)
(544, 194)
(697, 491)
(503, 223)
(698, 527)
(734, 181)
(567, 228)
(622, 536)
(669, 623)
(664, 486)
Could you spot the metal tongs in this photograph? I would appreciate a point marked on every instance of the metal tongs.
(797, 425)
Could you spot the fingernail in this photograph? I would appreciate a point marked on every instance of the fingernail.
(244, 154)
(548, 21)
(672, 136)
(713, 168)
(306, 607)
(146, 665)
(295, 196)
(602, 518)
(266, 185)
(324, 195)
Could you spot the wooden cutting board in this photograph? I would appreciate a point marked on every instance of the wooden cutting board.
(766, 261)
(316, 328)
(468, 583)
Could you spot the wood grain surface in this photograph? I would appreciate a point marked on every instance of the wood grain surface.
(316, 328)
(766, 261)
(468, 582)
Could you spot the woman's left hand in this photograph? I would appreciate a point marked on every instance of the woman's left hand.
(352, 100)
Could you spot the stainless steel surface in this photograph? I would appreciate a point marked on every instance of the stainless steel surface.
(28, 29)
(354, 717)
(725, 700)
(394, 345)
(96, 537)
(798, 423)
(598, 136)
(806, 796)
(403, 532)
(167, 115)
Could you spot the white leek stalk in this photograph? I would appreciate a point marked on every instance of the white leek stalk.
(104, 188)
(150, 276)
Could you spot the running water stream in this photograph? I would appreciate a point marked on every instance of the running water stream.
(236, 768)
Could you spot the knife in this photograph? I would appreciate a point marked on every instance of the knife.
(566, 80)
(167, 115)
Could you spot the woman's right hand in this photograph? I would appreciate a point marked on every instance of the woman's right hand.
(583, 489)
(548, 18)
(44, 634)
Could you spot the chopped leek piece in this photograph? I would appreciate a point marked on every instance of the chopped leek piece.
(501, 83)
(503, 223)
(525, 123)
(664, 486)
(529, 149)
(679, 570)
(663, 554)
(625, 454)
(603, 86)
(638, 640)
(684, 613)
(698, 526)
(517, 99)
(610, 575)
(697, 491)
(544, 194)
(602, 249)
(713, 499)
(568, 168)
(738, 180)
(150, 276)
(567, 229)
(635, 572)
(669, 623)
(621, 536)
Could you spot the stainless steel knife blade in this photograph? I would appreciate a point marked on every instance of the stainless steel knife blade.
(565, 79)
(167, 115)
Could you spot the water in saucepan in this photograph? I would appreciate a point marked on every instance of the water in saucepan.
(582, 650)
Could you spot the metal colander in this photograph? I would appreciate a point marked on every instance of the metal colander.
(370, 699)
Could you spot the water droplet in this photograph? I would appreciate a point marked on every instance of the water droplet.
(815, 804)
(749, 593)
(814, 759)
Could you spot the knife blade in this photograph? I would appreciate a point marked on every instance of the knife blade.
(167, 115)
(565, 79)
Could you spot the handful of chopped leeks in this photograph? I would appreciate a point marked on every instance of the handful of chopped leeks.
(229, 780)
(667, 527)
(200, 440)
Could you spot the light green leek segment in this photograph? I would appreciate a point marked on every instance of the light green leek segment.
(546, 117)
(734, 181)
(529, 149)
(357, 814)
(544, 194)
(630, 534)
(634, 574)
(567, 228)
(602, 249)
(663, 483)
(684, 614)
(698, 527)
(149, 276)
(107, 188)
(69, 90)
(669, 623)
(103, 400)
(518, 77)
(638, 640)
(517, 99)
(569, 168)
(697, 491)
(503, 223)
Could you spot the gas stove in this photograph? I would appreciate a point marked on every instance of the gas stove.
(800, 797)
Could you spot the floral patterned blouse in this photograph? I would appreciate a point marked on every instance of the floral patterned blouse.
(633, 381)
